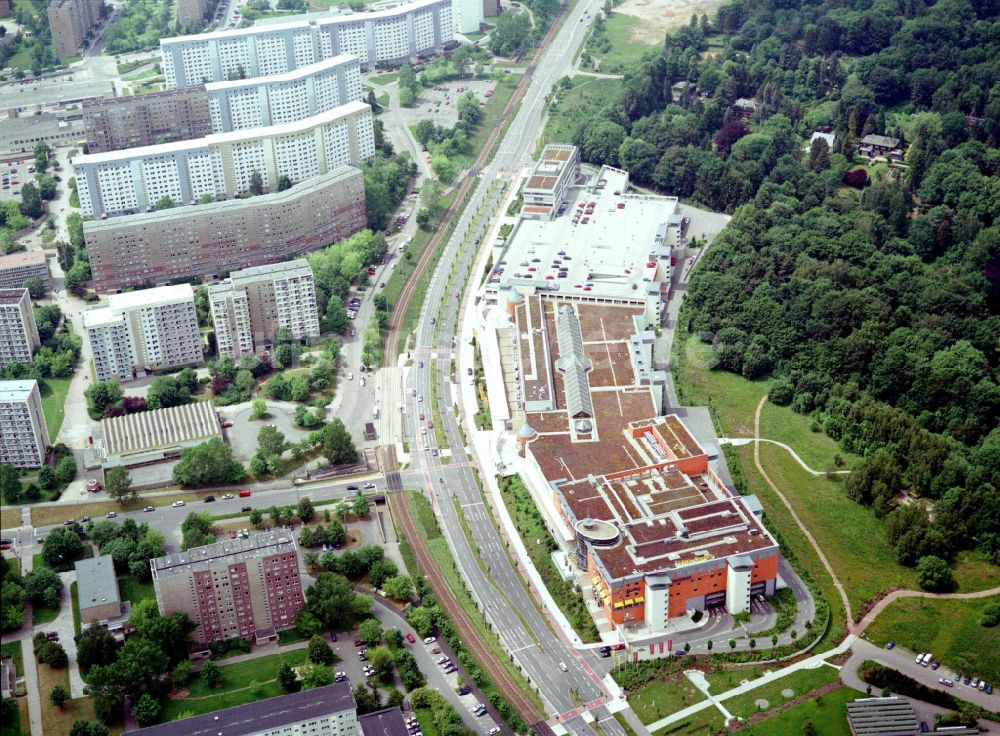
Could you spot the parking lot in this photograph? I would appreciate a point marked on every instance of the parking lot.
(438, 103)
(14, 175)
(447, 684)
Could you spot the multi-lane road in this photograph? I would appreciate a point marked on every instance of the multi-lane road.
(575, 697)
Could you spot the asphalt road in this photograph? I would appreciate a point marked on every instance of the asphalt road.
(496, 585)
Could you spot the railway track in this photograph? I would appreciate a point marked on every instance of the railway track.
(392, 348)
(471, 638)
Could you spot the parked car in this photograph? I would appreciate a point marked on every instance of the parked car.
(228, 496)
(563, 667)
(94, 485)
(246, 509)
(244, 493)
(430, 640)
(464, 690)
(114, 515)
(890, 644)
(945, 681)
(209, 499)
(494, 731)
(333, 636)
(178, 504)
(410, 637)
(358, 643)
(52, 635)
(149, 508)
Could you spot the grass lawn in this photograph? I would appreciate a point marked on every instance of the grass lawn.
(425, 717)
(850, 535)
(14, 718)
(662, 697)
(56, 722)
(706, 721)
(383, 100)
(135, 590)
(290, 636)
(43, 614)
(12, 649)
(74, 598)
(384, 78)
(826, 712)
(974, 572)
(800, 683)
(626, 50)
(54, 404)
(587, 96)
(238, 686)
(10, 517)
(948, 628)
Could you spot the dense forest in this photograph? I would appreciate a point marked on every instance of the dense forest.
(868, 291)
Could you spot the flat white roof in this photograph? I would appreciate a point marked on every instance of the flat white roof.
(304, 71)
(16, 390)
(333, 19)
(235, 136)
(147, 297)
(269, 271)
(100, 317)
(608, 257)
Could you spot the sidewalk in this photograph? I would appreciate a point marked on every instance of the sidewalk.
(808, 663)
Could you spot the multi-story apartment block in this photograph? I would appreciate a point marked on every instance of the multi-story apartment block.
(468, 15)
(251, 306)
(249, 588)
(115, 123)
(23, 434)
(390, 36)
(144, 330)
(71, 21)
(210, 240)
(18, 333)
(18, 268)
(284, 98)
(192, 13)
(223, 164)
(322, 711)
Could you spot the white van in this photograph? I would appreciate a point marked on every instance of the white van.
(927, 659)
(920, 658)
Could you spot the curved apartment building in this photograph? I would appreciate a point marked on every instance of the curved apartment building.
(392, 36)
(208, 241)
(284, 98)
(222, 165)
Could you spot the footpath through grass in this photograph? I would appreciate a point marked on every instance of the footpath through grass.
(244, 682)
(616, 46)
(950, 629)
(850, 535)
(798, 683)
(825, 712)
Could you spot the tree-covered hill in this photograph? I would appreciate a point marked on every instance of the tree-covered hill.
(869, 291)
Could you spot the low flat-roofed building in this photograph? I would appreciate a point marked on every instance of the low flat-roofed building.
(323, 711)
(610, 247)
(385, 722)
(17, 268)
(546, 189)
(161, 434)
(97, 589)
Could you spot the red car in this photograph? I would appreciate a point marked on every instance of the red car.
(618, 647)
(410, 638)
(244, 493)
(358, 643)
